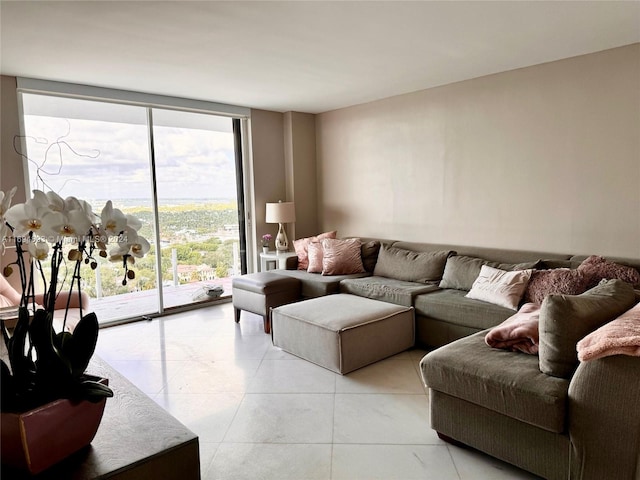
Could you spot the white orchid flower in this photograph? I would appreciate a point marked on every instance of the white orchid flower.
(140, 248)
(38, 250)
(26, 217)
(49, 200)
(127, 237)
(115, 257)
(87, 209)
(112, 219)
(74, 223)
(72, 203)
(98, 237)
(131, 244)
(5, 232)
(5, 201)
(134, 222)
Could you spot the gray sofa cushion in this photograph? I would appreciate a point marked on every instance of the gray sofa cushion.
(410, 266)
(461, 271)
(565, 319)
(385, 289)
(370, 250)
(492, 254)
(315, 284)
(453, 307)
(506, 382)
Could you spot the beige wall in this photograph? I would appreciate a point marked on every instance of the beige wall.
(300, 164)
(11, 169)
(544, 158)
(267, 133)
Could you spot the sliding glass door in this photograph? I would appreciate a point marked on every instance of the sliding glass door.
(172, 169)
(197, 204)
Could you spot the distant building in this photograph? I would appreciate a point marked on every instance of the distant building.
(196, 273)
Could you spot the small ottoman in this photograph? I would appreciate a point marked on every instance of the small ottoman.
(343, 332)
(259, 292)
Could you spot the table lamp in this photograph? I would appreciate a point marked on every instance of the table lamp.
(281, 212)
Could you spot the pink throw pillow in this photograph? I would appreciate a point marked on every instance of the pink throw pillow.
(557, 281)
(301, 247)
(342, 257)
(315, 257)
(598, 268)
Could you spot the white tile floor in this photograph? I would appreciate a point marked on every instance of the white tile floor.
(261, 413)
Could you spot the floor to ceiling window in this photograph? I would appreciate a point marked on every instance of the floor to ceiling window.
(174, 170)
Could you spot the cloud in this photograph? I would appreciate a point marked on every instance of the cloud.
(190, 163)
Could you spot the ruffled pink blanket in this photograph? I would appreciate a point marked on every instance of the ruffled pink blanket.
(618, 337)
(518, 332)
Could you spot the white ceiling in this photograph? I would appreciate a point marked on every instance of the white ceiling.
(298, 56)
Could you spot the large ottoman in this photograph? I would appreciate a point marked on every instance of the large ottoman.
(259, 292)
(343, 332)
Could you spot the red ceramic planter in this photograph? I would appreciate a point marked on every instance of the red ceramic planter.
(35, 440)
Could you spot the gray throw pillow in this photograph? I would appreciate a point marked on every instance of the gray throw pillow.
(566, 319)
(410, 266)
(461, 271)
(370, 254)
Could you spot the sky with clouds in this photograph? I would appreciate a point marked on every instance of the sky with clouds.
(95, 159)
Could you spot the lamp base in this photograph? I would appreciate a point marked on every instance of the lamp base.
(282, 243)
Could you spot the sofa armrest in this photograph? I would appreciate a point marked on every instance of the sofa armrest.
(61, 300)
(292, 263)
(604, 420)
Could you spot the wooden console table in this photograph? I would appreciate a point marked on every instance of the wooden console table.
(137, 440)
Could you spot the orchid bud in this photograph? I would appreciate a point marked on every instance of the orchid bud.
(7, 271)
(131, 274)
(103, 253)
(75, 255)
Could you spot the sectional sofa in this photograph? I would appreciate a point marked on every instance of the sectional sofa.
(583, 424)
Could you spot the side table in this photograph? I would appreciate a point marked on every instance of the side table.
(274, 259)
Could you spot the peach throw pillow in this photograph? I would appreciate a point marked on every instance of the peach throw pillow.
(315, 257)
(342, 257)
(302, 247)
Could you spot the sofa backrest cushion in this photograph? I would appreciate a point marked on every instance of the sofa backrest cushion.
(461, 271)
(565, 319)
(493, 254)
(410, 266)
(370, 250)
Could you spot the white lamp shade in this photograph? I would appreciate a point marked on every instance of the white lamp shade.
(281, 212)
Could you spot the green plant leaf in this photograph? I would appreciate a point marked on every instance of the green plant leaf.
(95, 391)
(52, 366)
(80, 347)
(20, 362)
(61, 339)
